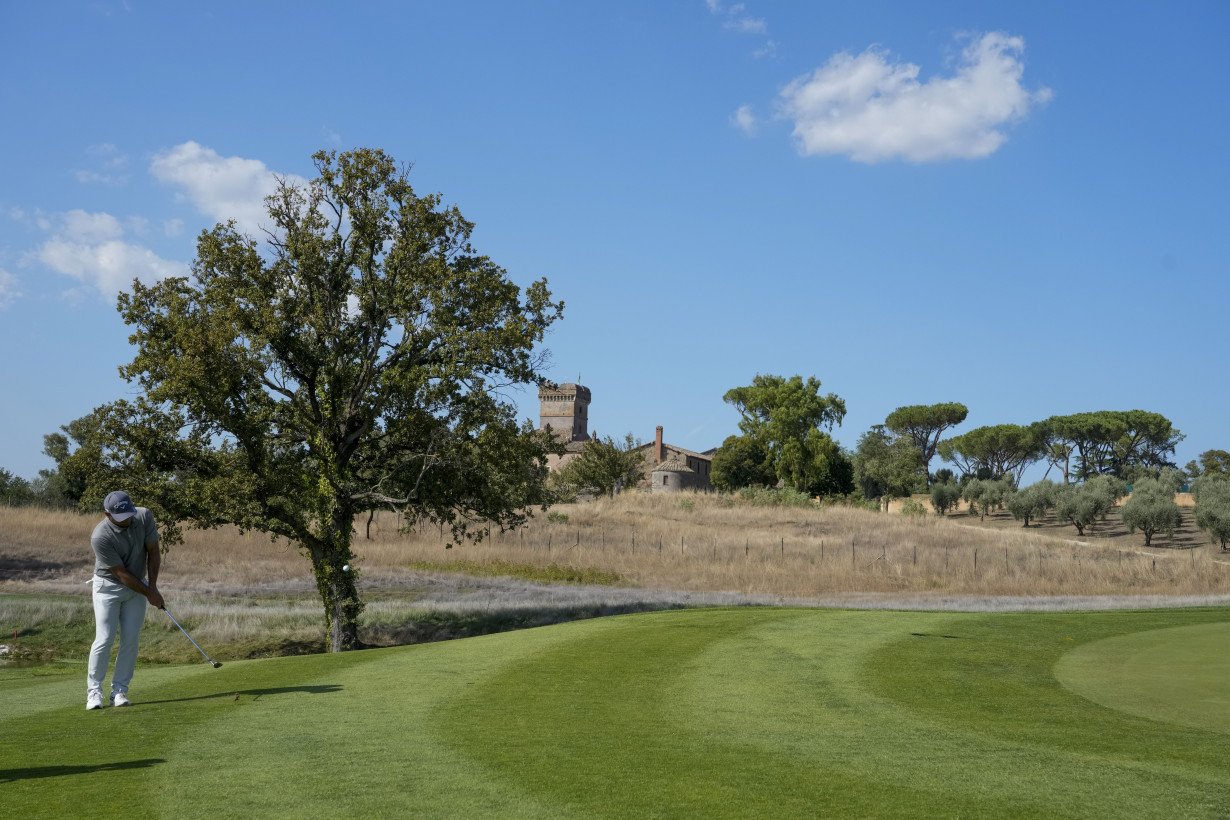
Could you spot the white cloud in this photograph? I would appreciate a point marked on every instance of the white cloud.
(81, 226)
(746, 25)
(8, 289)
(735, 18)
(108, 266)
(108, 155)
(220, 187)
(769, 49)
(109, 165)
(173, 227)
(869, 109)
(744, 120)
(96, 178)
(89, 247)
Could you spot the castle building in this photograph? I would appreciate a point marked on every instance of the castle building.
(564, 410)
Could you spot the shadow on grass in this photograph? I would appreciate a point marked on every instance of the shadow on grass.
(11, 775)
(234, 694)
(445, 625)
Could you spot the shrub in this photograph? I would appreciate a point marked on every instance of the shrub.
(913, 508)
(944, 497)
(557, 517)
(774, 497)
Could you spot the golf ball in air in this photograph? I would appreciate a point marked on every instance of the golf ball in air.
(345, 567)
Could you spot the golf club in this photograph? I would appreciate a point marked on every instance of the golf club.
(215, 664)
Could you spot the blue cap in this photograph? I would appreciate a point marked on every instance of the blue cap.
(119, 506)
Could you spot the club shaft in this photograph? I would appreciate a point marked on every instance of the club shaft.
(189, 637)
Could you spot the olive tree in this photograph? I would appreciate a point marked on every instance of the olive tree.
(1082, 505)
(986, 495)
(1032, 501)
(355, 359)
(1213, 507)
(1151, 509)
(944, 497)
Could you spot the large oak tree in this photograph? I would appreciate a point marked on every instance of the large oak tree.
(355, 359)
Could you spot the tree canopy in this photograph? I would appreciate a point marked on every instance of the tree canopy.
(886, 465)
(605, 465)
(1212, 462)
(923, 424)
(1084, 504)
(1032, 501)
(1000, 450)
(788, 419)
(1151, 509)
(1213, 507)
(1114, 442)
(356, 360)
(742, 461)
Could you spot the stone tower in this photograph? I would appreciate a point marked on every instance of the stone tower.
(565, 409)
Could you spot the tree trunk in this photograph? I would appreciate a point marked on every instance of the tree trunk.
(337, 585)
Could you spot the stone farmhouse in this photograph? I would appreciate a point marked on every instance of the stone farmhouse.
(668, 468)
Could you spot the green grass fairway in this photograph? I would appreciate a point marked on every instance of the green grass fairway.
(698, 713)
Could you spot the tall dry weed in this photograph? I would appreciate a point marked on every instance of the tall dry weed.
(701, 543)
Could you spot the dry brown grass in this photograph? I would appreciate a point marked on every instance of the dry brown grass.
(697, 544)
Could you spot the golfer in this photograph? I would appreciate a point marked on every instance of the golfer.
(125, 547)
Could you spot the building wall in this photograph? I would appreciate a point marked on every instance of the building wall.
(669, 481)
(700, 467)
(565, 409)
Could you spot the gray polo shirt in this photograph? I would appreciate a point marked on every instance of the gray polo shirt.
(115, 546)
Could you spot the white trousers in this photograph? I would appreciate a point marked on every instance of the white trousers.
(115, 607)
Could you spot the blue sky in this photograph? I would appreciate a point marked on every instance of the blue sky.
(1019, 206)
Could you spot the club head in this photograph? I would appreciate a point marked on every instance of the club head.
(215, 664)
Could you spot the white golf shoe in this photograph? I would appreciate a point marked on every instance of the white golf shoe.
(94, 700)
(120, 699)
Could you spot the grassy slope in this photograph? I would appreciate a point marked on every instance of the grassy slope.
(720, 712)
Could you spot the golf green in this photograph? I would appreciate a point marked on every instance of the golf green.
(724, 713)
(1178, 675)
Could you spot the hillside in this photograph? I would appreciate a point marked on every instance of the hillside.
(253, 596)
